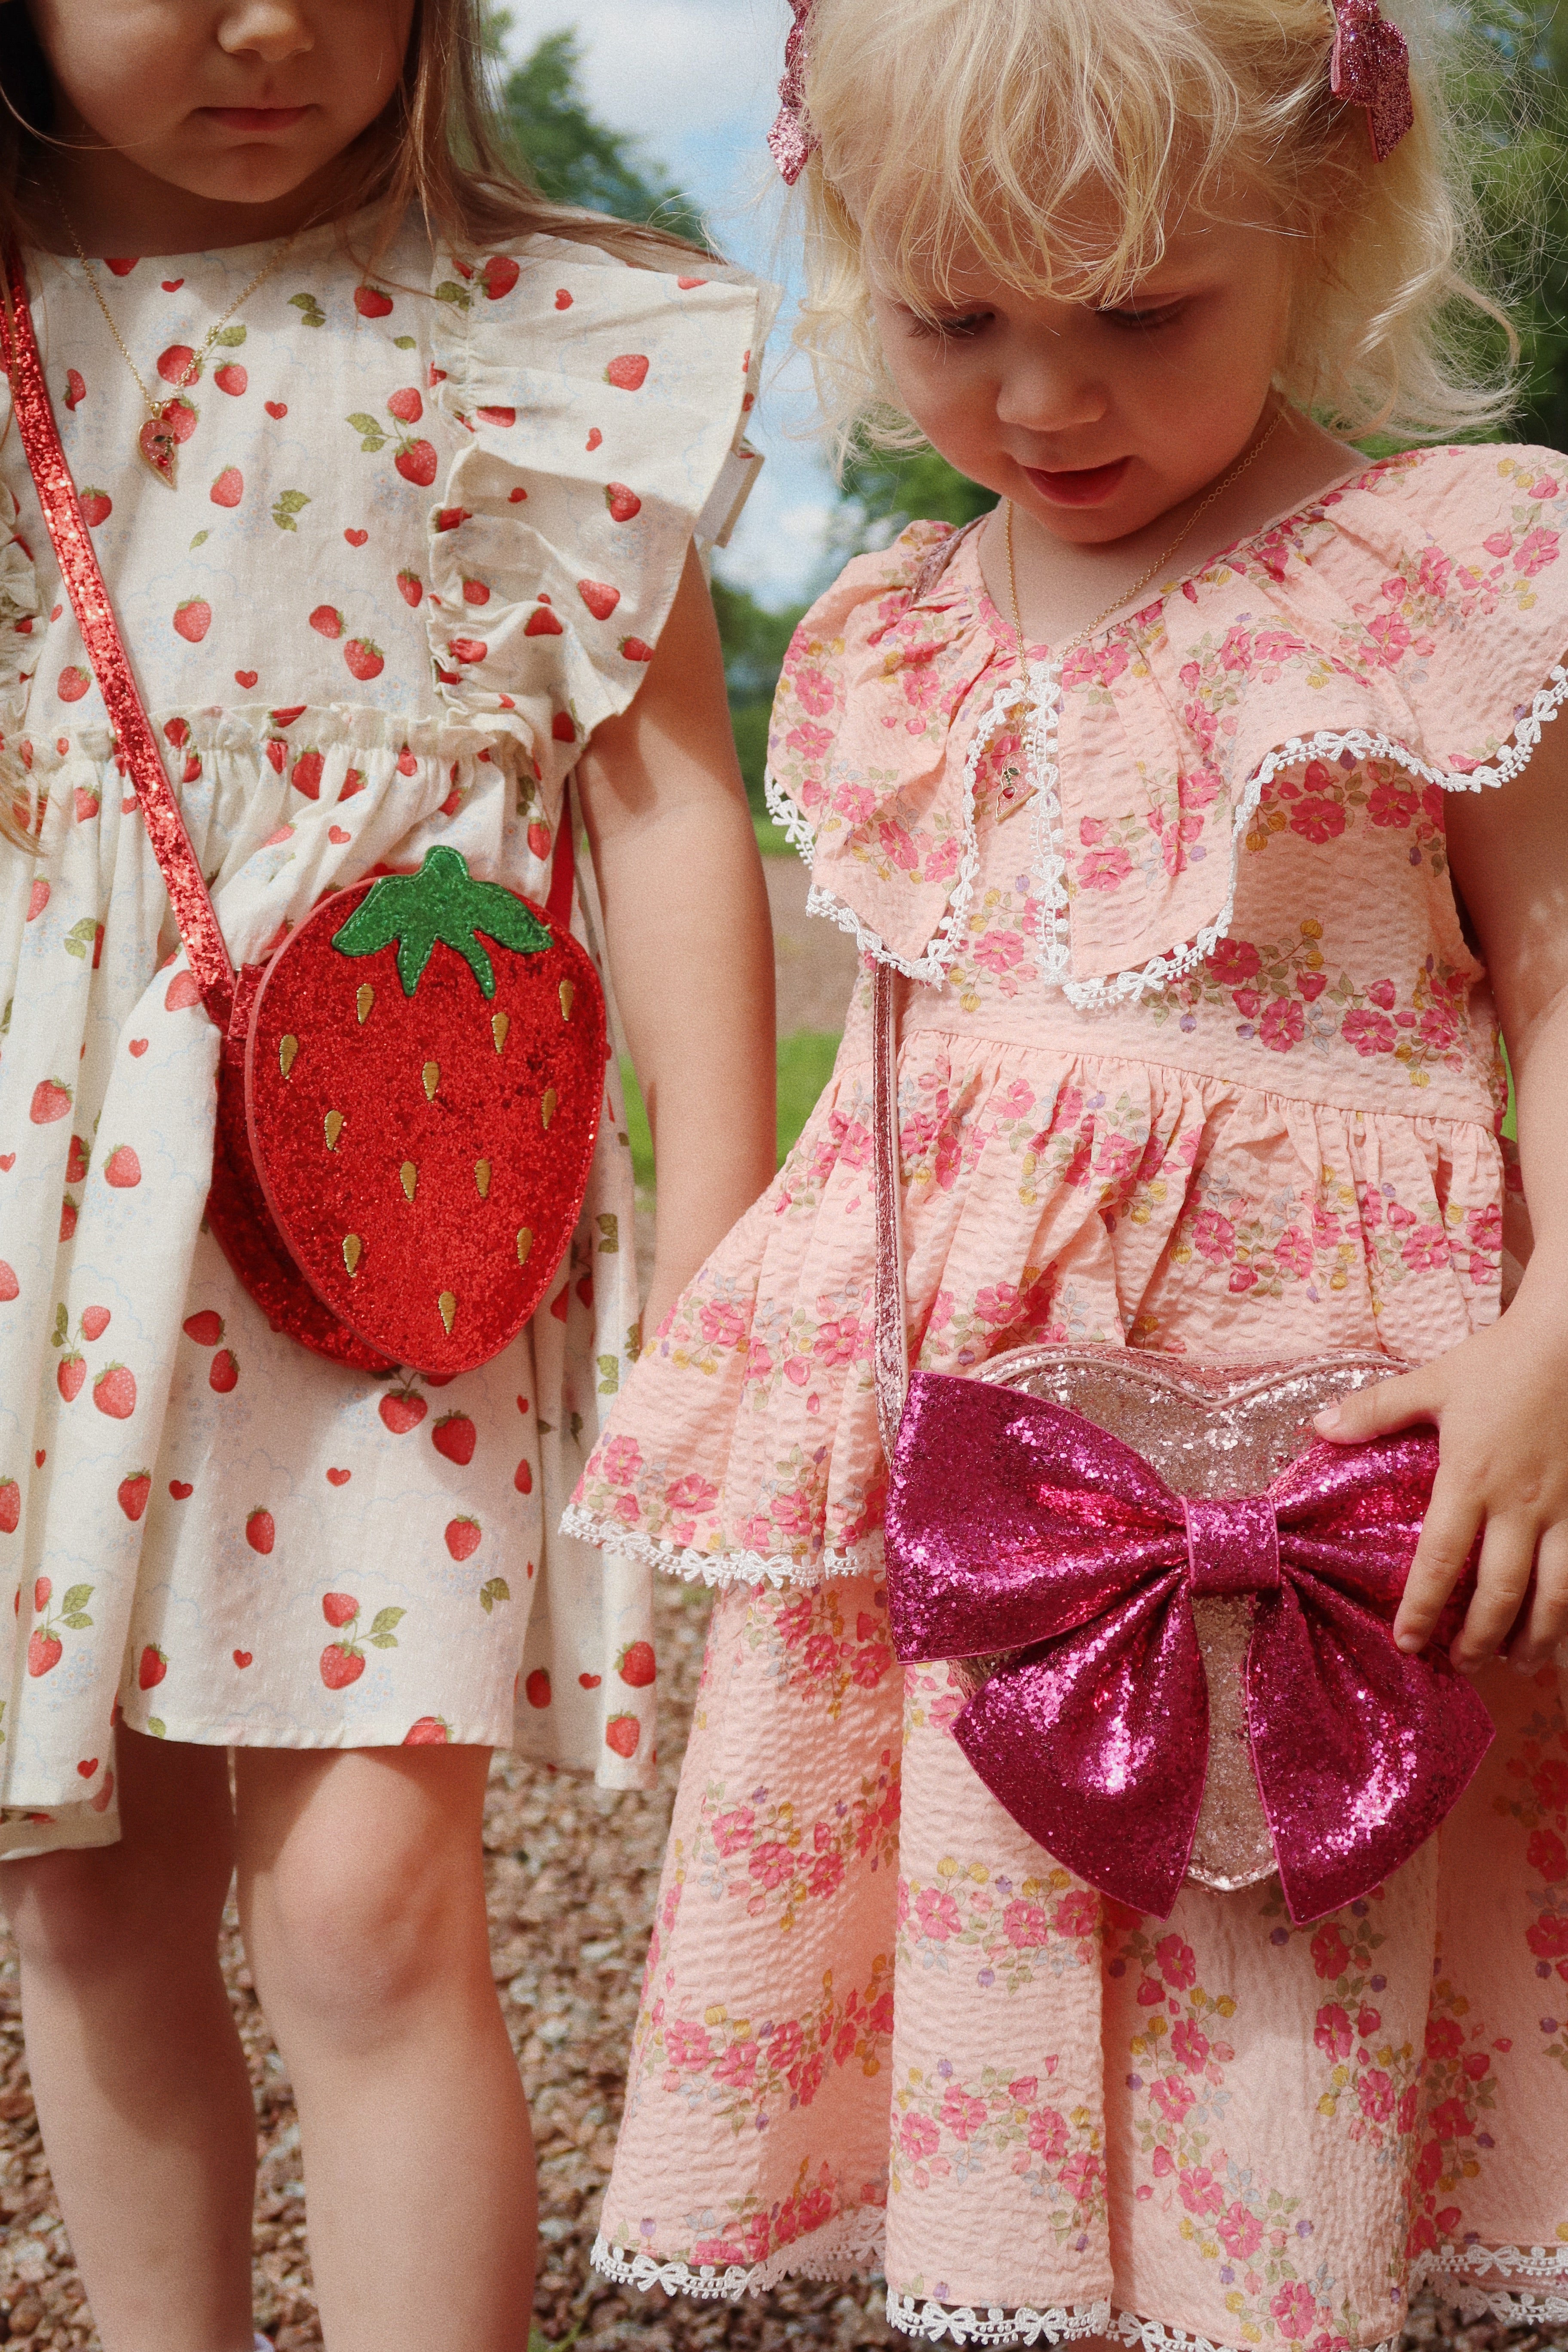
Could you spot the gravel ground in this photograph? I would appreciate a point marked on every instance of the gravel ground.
(573, 1872)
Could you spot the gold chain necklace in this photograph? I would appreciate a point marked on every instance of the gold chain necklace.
(172, 420)
(1129, 594)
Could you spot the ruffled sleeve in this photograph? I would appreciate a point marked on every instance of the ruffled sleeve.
(20, 607)
(868, 769)
(602, 411)
(1465, 596)
(1415, 614)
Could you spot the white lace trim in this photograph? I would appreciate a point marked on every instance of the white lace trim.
(720, 1568)
(941, 2322)
(850, 2242)
(1513, 2262)
(1327, 744)
(854, 2241)
(788, 818)
(1050, 863)
(942, 945)
(1050, 854)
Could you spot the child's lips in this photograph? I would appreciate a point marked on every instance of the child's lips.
(253, 119)
(1084, 486)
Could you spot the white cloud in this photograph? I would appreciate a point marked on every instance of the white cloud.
(669, 70)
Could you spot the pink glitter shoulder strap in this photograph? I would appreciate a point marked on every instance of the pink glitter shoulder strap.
(891, 1334)
(199, 929)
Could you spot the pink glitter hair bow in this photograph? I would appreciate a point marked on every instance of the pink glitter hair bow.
(1017, 1526)
(792, 141)
(1370, 68)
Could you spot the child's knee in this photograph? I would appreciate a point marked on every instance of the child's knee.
(67, 1912)
(354, 1942)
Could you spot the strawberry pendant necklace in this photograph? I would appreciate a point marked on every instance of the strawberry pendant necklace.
(172, 421)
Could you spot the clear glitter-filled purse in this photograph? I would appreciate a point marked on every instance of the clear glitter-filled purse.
(1168, 1601)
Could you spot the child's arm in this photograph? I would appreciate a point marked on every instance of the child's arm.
(1501, 1400)
(689, 937)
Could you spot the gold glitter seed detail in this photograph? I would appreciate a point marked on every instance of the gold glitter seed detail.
(287, 1049)
(410, 1175)
(568, 998)
(364, 1000)
(449, 1306)
(524, 1243)
(332, 1127)
(354, 1250)
(482, 1178)
(499, 1024)
(431, 1074)
(547, 1107)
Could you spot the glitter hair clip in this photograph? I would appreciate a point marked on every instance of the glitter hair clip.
(791, 141)
(1370, 68)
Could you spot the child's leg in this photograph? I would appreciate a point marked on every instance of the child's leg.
(362, 1897)
(139, 2081)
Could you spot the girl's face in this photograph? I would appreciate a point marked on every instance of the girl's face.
(233, 102)
(1095, 421)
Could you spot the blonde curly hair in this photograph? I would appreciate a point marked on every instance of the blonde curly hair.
(994, 129)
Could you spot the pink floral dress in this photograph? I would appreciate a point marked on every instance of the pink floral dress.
(1202, 1062)
(427, 530)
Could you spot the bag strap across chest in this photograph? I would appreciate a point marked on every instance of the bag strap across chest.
(211, 966)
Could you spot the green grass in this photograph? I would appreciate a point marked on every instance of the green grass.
(804, 1067)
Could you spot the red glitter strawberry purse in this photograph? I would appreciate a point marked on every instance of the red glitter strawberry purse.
(408, 1089)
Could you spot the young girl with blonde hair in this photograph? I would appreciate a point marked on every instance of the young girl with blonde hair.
(394, 472)
(1193, 813)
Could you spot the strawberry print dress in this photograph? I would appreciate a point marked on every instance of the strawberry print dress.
(427, 530)
(1195, 1057)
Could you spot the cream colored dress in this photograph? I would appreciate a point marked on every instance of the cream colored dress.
(426, 533)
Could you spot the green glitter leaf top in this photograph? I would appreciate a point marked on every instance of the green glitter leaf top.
(442, 901)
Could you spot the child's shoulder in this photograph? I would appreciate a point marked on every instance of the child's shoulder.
(922, 568)
(1466, 498)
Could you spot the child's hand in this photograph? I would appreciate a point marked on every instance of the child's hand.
(1501, 1403)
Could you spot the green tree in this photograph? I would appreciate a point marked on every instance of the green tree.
(575, 158)
(1520, 90)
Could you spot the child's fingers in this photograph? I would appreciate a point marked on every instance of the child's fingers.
(1547, 1622)
(1502, 1579)
(1452, 1519)
(1375, 1412)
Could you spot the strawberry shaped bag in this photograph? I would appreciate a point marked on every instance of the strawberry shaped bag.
(408, 1089)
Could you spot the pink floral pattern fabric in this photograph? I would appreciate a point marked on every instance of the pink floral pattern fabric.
(879, 2023)
(1416, 608)
(426, 532)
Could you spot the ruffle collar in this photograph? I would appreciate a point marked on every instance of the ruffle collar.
(1417, 613)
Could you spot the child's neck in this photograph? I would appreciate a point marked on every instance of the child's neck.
(114, 206)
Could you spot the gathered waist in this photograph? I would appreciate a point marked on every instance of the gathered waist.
(1451, 1077)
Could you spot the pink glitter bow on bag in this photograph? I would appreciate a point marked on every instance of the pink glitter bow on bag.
(1015, 1525)
(1370, 68)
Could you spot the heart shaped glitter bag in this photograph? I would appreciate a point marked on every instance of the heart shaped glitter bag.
(408, 1089)
(1167, 1602)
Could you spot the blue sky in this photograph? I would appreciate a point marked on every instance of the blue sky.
(696, 81)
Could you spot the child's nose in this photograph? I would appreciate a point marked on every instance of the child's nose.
(1049, 392)
(273, 29)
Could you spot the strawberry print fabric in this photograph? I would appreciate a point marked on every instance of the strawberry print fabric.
(880, 2025)
(426, 532)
